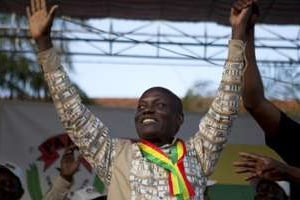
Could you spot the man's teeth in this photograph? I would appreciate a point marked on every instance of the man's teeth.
(146, 121)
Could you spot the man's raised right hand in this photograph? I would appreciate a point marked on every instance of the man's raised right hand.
(239, 18)
(40, 22)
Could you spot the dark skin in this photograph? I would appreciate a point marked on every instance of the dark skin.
(258, 166)
(69, 164)
(264, 112)
(157, 119)
(164, 121)
(11, 188)
(261, 109)
(269, 190)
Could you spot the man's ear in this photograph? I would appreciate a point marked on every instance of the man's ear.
(180, 119)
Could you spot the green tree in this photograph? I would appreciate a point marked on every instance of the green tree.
(198, 98)
(20, 74)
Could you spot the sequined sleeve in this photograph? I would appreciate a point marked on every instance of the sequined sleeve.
(83, 127)
(215, 126)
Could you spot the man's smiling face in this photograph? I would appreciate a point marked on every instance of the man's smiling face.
(158, 116)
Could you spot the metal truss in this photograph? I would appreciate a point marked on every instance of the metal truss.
(160, 40)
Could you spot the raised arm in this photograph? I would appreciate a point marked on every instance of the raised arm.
(84, 128)
(281, 132)
(262, 110)
(216, 124)
(40, 23)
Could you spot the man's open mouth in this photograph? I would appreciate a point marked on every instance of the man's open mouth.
(148, 121)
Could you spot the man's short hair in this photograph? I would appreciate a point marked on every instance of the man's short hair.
(178, 107)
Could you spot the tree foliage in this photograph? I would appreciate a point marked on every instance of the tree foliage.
(199, 97)
(20, 75)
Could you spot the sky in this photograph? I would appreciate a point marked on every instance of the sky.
(130, 81)
(102, 77)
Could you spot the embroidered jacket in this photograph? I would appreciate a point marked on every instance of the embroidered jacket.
(119, 163)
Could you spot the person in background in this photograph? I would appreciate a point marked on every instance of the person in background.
(270, 190)
(270, 172)
(10, 182)
(61, 186)
(281, 132)
(259, 166)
